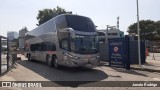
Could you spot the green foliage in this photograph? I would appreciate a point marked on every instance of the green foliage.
(46, 14)
(149, 30)
(4, 49)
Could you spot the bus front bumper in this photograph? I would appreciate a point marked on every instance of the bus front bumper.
(79, 63)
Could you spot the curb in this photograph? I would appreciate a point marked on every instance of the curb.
(134, 68)
(145, 69)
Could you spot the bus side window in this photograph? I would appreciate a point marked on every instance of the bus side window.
(48, 46)
(38, 47)
(44, 46)
(32, 47)
(51, 47)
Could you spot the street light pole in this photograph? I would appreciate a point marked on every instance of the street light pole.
(107, 34)
(138, 30)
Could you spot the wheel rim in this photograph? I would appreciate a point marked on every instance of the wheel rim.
(49, 61)
(55, 63)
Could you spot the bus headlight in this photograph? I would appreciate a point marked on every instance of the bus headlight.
(75, 57)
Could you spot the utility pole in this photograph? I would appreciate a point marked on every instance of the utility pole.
(118, 22)
(107, 33)
(138, 31)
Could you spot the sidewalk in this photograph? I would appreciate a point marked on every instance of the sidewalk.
(150, 65)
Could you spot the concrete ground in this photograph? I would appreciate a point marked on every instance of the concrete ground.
(156, 55)
(152, 63)
(4, 63)
(36, 71)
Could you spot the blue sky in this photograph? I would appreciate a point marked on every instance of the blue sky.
(15, 14)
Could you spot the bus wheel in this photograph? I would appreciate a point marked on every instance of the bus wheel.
(56, 63)
(29, 57)
(49, 60)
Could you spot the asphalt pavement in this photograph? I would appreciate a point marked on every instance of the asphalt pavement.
(37, 71)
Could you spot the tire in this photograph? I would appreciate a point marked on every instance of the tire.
(49, 61)
(55, 62)
(29, 57)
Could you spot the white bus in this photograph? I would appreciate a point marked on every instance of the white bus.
(68, 40)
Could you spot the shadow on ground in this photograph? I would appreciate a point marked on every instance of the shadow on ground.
(129, 71)
(73, 76)
(123, 70)
(156, 66)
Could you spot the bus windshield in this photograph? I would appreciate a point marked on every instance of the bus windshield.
(85, 44)
(80, 23)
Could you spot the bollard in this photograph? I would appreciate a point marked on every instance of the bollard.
(127, 52)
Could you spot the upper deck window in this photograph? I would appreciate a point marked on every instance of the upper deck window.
(80, 23)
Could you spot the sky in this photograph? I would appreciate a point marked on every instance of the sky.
(16, 14)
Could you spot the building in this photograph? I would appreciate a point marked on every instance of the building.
(22, 33)
(12, 35)
(110, 33)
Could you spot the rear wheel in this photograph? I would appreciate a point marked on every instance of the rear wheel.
(56, 63)
(29, 57)
(49, 60)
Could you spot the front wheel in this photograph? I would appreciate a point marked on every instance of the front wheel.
(56, 63)
(49, 60)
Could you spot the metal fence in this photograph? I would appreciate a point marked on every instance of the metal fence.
(7, 60)
(104, 52)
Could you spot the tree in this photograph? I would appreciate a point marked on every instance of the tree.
(158, 27)
(149, 29)
(46, 14)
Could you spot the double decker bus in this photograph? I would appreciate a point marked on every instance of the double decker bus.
(68, 40)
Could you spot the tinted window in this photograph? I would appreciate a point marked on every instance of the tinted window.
(101, 34)
(48, 46)
(35, 47)
(85, 44)
(80, 23)
(114, 34)
(109, 33)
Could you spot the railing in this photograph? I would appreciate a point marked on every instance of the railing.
(7, 59)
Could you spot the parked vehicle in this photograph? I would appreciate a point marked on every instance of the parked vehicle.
(69, 40)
